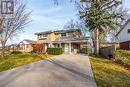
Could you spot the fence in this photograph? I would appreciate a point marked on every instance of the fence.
(107, 51)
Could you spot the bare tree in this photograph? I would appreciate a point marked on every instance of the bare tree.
(12, 25)
(70, 24)
(76, 24)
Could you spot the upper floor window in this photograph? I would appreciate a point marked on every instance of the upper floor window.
(44, 35)
(63, 35)
(128, 30)
(27, 46)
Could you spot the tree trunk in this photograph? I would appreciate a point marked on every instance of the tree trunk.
(97, 43)
(3, 51)
(93, 40)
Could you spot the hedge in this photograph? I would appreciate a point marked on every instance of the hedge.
(16, 52)
(55, 51)
(84, 50)
(122, 56)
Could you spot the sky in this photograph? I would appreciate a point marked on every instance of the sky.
(48, 16)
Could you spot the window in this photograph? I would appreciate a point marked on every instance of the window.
(128, 30)
(27, 46)
(42, 35)
(63, 35)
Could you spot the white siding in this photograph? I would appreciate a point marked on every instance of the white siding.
(124, 35)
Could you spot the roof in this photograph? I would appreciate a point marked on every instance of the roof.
(69, 39)
(46, 32)
(58, 31)
(26, 41)
(123, 27)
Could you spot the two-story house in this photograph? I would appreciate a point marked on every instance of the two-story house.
(124, 36)
(71, 40)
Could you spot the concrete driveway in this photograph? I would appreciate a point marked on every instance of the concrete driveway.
(59, 71)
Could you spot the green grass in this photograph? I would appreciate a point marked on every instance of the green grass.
(12, 61)
(109, 74)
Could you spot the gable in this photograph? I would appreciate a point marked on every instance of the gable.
(23, 42)
(124, 34)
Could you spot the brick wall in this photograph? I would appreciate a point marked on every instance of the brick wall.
(125, 45)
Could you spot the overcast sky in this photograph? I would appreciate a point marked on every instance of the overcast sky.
(47, 16)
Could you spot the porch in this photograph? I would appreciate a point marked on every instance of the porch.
(68, 47)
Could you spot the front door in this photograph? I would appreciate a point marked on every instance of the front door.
(76, 48)
(67, 48)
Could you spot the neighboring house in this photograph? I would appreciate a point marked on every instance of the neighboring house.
(13, 47)
(71, 40)
(26, 45)
(124, 36)
(10, 48)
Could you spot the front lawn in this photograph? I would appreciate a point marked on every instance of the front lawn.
(109, 74)
(12, 61)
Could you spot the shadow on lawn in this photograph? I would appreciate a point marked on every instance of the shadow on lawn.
(114, 78)
(110, 74)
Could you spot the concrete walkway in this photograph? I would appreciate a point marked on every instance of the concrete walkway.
(59, 71)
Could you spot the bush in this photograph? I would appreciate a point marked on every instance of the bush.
(55, 51)
(122, 57)
(33, 52)
(16, 52)
(84, 50)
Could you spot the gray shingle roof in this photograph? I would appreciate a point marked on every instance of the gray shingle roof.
(58, 31)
